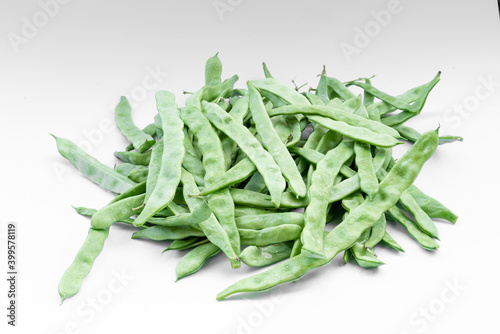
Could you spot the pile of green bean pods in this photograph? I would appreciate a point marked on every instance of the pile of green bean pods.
(266, 174)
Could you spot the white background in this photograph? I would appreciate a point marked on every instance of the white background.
(66, 76)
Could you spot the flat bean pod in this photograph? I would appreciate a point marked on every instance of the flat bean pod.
(72, 279)
(173, 154)
(269, 235)
(194, 260)
(357, 133)
(366, 171)
(140, 140)
(413, 108)
(265, 220)
(423, 239)
(321, 185)
(160, 233)
(97, 172)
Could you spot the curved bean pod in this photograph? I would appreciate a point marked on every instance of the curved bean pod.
(398, 103)
(173, 154)
(423, 239)
(377, 232)
(322, 182)
(72, 279)
(366, 171)
(194, 260)
(140, 140)
(431, 206)
(389, 241)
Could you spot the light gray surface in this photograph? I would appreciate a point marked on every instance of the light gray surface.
(68, 75)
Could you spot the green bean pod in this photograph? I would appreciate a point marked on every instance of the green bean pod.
(398, 103)
(94, 170)
(416, 233)
(261, 221)
(321, 185)
(377, 232)
(194, 260)
(140, 140)
(72, 279)
(432, 206)
(366, 171)
(173, 154)
(213, 71)
(389, 241)
(160, 233)
(413, 135)
(269, 235)
(361, 134)
(246, 210)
